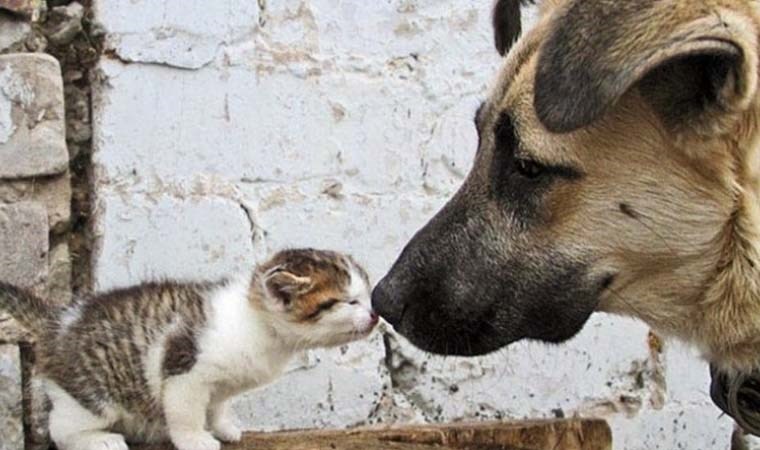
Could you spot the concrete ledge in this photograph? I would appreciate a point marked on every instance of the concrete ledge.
(571, 434)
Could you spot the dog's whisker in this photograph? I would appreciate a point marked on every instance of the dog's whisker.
(627, 302)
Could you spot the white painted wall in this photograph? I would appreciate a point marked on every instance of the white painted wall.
(228, 129)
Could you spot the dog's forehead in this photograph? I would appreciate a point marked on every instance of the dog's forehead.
(512, 93)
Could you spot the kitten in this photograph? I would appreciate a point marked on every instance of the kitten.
(161, 360)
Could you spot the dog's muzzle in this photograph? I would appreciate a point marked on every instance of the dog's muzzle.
(388, 302)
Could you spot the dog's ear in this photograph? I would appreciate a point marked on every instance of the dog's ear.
(507, 23)
(692, 62)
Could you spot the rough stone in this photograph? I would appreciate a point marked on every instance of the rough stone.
(11, 332)
(59, 279)
(32, 130)
(11, 412)
(78, 127)
(63, 23)
(35, 402)
(23, 244)
(28, 8)
(36, 42)
(53, 192)
(15, 32)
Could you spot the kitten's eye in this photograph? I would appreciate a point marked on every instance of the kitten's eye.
(329, 304)
(353, 302)
(322, 307)
(529, 169)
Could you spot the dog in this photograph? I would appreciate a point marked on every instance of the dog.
(617, 170)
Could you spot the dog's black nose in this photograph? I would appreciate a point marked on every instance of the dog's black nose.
(387, 302)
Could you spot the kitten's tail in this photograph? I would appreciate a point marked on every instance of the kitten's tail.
(30, 311)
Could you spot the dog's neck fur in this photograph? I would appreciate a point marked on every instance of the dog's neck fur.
(730, 308)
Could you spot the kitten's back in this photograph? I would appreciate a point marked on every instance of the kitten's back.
(100, 354)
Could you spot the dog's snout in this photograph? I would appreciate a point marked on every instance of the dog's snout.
(387, 302)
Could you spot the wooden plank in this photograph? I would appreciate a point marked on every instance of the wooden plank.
(568, 434)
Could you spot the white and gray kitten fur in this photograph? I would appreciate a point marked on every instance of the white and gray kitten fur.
(162, 360)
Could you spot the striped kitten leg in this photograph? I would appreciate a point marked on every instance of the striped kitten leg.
(72, 427)
(185, 402)
(222, 422)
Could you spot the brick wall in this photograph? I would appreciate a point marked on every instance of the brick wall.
(35, 199)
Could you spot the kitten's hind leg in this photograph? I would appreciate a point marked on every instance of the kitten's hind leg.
(222, 423)
(73, 427)
(185, 401)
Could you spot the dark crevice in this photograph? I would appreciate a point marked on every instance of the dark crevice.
(78, 57)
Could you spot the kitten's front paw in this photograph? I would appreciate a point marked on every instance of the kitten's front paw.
(227, 432)
(95, 441)
(196, 441)
(113, 442)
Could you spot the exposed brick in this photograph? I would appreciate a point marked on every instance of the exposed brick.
(15, 31)
(32, 130)
(23, 244)
(63, 23)
(35, 402)
(11, 420)
(11, 332)
(28, 8)
(53, 192)
(59, 278)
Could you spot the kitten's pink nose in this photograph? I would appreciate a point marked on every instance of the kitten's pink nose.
(374, 318)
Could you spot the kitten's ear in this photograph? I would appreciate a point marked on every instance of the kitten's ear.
(283, 286)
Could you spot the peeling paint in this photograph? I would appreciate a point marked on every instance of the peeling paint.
(7, 126)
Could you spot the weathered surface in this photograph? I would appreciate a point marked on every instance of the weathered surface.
(345, 384)
(32, 140)
(28, 8)
(190, 238)
(59, 276)
(222, 136)
(35, 200)
(11, 424)
(36, 403)
(15, 31)
(575, 434)
(23, 244)
(63, 23)
(52, 192)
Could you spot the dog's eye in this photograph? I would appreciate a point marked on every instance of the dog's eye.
(529, 169)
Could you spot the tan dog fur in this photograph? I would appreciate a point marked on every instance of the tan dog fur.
(668, 201)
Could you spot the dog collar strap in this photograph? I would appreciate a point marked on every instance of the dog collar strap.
(738, 396)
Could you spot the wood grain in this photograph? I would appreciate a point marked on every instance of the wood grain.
(569, 434)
